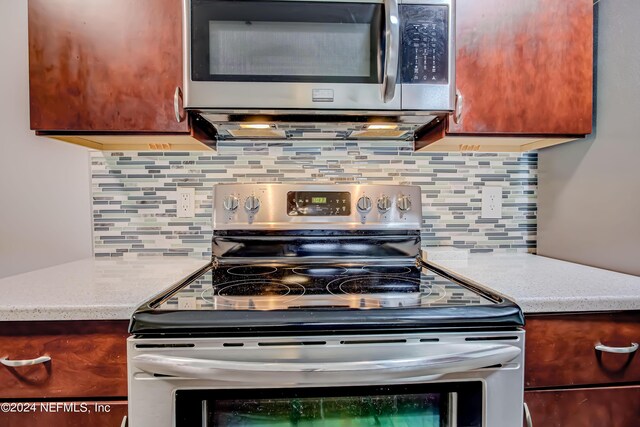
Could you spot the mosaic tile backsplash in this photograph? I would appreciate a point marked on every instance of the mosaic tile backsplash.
(134, 194)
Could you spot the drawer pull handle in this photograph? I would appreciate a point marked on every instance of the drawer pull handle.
(527, 415)
(620, 350)
(457, 109)
(28, 362)
(177, 104)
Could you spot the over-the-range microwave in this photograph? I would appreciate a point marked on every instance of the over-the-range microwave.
(250, 65)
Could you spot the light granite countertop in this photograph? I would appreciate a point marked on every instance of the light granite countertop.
(97, 289)
(90, 289)
(545, 285)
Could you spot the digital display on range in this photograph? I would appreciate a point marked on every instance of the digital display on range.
(318, 203)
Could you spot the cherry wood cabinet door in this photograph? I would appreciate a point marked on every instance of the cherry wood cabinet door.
(560, 349)
(524, 67)
(63, 414)
(105, 65)
(586, 407)
(88, 359)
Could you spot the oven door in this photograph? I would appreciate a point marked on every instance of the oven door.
(314, 54)
(425, 379)
(425, 405)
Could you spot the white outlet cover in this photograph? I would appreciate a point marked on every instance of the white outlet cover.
(491, 202)
(185, 202)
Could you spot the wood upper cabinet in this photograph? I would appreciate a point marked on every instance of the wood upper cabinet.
(524, 67)
(105, 65)
(103, 74)
(524, 70)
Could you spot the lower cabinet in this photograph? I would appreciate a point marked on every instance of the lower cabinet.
(561, 350)
(63, 414)
(583, 370)
(86, 359)
(585, 407)
(63, 373)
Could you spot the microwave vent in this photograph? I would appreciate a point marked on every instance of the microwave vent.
(316, 127)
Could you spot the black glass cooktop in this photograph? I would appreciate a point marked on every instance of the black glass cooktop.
(278, 297)
(277, 287)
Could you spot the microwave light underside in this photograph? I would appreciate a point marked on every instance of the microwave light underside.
(255, 126)
(382, 126)
(314, 131)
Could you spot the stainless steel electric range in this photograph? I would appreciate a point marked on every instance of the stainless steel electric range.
(317, 310)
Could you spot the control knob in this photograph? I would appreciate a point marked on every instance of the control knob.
(403, 203)
(252, 204)
(364, 204)
(384, 203)
(230, 203)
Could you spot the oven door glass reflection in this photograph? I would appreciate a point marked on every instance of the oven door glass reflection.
(446, 405)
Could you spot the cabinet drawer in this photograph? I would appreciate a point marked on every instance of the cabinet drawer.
(585, 407)
(63, 414)
(560, 349)
(87, 359)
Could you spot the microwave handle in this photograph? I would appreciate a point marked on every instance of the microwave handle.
(464, 358)
(391, 50)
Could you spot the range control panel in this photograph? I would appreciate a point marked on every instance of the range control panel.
(316, 206)
(425, 43)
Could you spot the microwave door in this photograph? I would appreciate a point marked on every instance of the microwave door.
(291, 55)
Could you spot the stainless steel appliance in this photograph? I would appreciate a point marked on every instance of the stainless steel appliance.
(318, 69)
(317, 310)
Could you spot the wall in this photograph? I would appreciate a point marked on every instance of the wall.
(134, 194)
(589, 195)
(44, 184)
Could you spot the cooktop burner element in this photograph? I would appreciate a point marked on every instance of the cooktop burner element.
(268, 288)
(241, 295)
(387, 285)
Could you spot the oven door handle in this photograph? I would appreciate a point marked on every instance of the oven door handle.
(391, 49)
(466, 357)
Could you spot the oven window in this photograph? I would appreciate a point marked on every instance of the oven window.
(425, 405)
(265, 41)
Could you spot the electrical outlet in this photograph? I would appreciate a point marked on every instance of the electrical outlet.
(186, 303)
(492, 202)
(186, 202)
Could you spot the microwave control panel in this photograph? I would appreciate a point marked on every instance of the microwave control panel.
(425, 44)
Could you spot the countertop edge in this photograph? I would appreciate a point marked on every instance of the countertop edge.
(569, 302)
